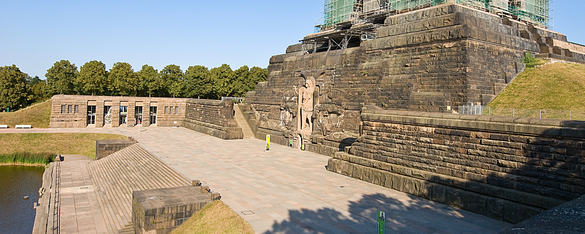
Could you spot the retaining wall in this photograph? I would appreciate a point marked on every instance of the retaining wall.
(503, 167)
(212, 117)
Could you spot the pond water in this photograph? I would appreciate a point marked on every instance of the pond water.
(17, 215)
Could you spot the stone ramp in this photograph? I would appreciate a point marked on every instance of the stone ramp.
(239, 117)
(117, 175)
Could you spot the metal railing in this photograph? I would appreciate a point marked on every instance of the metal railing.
(529, 113)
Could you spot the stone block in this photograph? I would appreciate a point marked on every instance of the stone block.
(160, 211)
(103, 148)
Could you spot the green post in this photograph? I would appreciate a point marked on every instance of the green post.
(7, 109)
(381, 222)
(267, 142)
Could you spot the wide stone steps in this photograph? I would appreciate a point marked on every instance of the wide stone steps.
(116, 176)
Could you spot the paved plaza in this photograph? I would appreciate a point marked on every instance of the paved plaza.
(286, 190)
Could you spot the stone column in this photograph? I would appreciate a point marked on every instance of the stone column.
(99, 115)
(145, 114)
(116, 114)
(82, 112)
(130, 121)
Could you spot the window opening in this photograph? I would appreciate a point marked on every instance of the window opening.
(153, 110)
(123, 115)
(138, 115)
(90, 114)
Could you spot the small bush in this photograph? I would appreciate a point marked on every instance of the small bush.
(531, 61)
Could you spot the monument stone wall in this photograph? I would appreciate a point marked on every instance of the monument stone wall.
(507, 168)
(429, 60)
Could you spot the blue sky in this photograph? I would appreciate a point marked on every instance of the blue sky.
(36, 34)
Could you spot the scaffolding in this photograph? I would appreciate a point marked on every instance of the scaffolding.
(338, 11)
(343, 11)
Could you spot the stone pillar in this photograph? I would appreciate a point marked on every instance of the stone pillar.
(99, 115)
(116, 114)
(130, 121)
(82, 112)
(145, 114)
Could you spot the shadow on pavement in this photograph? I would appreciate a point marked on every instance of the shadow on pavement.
(413, 215)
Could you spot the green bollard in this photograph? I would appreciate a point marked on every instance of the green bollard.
(381, 222)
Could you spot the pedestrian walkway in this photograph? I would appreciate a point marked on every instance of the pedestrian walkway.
(239, 117)
(79, 208)
(286, 190)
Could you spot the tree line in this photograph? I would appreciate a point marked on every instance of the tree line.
(18, 90)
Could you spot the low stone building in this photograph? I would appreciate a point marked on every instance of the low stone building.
(75, 111)
(213, 117)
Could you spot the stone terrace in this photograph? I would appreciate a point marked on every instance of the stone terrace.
(290, 191)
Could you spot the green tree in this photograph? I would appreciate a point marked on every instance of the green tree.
(197, 82)
(92, 79)
(13, 88)
(172, 77)
(123, 80)
(149, 78)
(256, 75)
(37, 90)
(239, 83)
(222, 78)
(60, 78)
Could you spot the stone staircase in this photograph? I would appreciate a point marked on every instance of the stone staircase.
(116, 176)
(239, 117)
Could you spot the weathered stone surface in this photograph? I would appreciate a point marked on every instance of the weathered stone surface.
(483, 165)
(211, 117)
(160, 211)
(103, 148)
(567, 218)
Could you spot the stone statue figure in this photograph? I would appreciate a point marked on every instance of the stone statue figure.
(305, 107)
(108, 117)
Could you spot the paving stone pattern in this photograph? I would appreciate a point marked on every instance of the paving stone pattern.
(290, 191)
(79, 206)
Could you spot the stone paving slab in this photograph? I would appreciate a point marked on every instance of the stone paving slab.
(289, 191)
(79, 209)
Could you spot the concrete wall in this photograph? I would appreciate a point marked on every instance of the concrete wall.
(212, 117)
(503, 167)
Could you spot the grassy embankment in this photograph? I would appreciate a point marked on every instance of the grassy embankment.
(550, 87)
(37, 115)
(216, 217)
(58, 143)
(27, 159)
(33, 148)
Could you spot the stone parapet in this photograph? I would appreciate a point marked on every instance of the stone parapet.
(103, 148)
(162, 210)
(212, 117)
(503, 167)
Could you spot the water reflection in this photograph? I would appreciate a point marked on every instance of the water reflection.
(17, 214)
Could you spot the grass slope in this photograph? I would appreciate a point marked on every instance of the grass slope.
(37, 115)
(216, 217)
(552, 86)
(58, 143)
